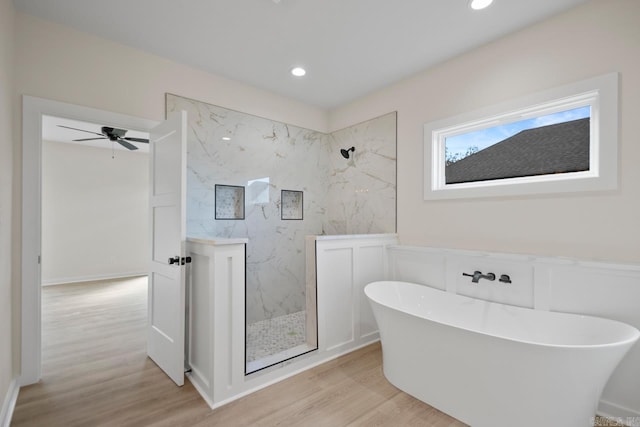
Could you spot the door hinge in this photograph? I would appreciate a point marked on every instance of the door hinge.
(39, 259)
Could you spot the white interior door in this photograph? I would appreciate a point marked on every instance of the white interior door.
(166, 304)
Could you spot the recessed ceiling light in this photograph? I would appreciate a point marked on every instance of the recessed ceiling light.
(226, 138)
(479, 4)
(298, 71)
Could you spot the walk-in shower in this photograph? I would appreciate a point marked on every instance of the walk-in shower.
(274, 184)
(249, 177)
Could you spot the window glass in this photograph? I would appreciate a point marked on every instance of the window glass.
(548, 144)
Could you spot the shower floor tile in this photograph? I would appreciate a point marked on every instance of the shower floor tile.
(268, 337)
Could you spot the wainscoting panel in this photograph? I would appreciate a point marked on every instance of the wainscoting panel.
(215, 338)
(613, 292)
(345, 265)
(418, 265)
(199, 336)
(335, 294)
(519, 292)
(372, 262)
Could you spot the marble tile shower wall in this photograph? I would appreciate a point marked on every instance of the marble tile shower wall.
(266, 157)
(362, 189)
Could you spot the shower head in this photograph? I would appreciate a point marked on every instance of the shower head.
(345, 153)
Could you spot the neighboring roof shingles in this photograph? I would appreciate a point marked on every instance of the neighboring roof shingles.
(559, 148)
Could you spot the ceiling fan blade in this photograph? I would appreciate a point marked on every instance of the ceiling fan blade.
(125, 144)
(87, 139)
(81, 130)
(137, 140)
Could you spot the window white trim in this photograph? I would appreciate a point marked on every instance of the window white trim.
(601, 93)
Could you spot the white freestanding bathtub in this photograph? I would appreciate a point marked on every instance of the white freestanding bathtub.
(492, 365)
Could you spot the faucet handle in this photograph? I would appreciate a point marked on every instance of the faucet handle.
(476, 276)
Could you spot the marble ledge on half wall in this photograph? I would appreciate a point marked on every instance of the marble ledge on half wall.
(351, 236)
(216, 241)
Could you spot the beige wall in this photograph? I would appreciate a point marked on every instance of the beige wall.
(7, 370)
(61, 64)
(95, 213)
(595, 38)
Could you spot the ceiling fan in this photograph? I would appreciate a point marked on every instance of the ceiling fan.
(112, 134)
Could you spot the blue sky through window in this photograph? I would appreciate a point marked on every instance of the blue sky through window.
(459, 144)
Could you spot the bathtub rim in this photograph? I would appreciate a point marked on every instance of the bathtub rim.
(633, 332)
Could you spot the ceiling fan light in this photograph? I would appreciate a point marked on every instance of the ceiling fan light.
(479, 4)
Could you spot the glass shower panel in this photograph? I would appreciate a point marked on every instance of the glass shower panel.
(277, 313)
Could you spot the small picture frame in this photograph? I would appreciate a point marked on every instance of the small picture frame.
(229, 202)
(291, 206)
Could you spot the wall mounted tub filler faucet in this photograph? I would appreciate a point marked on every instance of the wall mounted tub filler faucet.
(504, 278)
(477, 275)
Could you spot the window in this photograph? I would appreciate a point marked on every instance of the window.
(561, 140)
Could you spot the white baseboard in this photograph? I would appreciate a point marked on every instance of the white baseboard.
(78, 279)
(613, 411)
(9, 403)
(197, 382)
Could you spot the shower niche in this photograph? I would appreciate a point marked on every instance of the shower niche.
(289, 183)
(291, 205)
(229, 202)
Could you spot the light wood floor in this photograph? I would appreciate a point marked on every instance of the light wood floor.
(96, 373)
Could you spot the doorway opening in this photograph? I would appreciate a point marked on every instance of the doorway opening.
(35, 110)
(95, 247)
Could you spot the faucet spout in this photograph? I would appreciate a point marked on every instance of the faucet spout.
(477, 275)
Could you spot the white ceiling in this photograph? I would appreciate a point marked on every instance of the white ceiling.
(51, 131)
(349, 47)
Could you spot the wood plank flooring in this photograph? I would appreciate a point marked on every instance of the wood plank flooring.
(96, 373)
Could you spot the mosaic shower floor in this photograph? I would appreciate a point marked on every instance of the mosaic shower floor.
(268, 339)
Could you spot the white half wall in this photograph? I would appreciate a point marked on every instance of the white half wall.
(217, 310)
(344, 266)
(95, 221)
